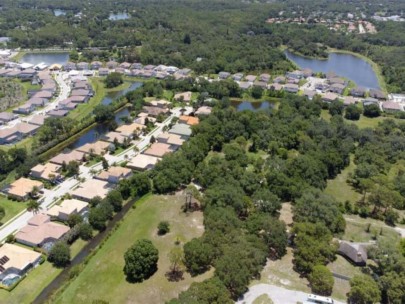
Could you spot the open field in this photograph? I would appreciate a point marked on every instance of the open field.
(36, 280)
(103, 277)
(12, 208)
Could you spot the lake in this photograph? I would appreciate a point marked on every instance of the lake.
(252, 106)
(346, 65)
(118, 16)
(47, 58)
(114, 95)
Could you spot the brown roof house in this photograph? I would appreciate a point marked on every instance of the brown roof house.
(96, 148)
(48, 172)
(204, 110)
(291, 88)
(358, 92)
(22, 188)
(355, 252)
(67, 208)
(185, 96)
(41, 230)
(189, 120)
(171, 139)
(68, 157)
(131, 129)
(158, 149)
(90, 189)
(114, 174)
(391, 107)
(17, 260)
(143, 162)
(6, 117)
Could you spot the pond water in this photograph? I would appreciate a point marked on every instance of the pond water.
(252, 106)
(47, 58)
(113, 95)
(354, 68)
(59, 12)
(118, 16)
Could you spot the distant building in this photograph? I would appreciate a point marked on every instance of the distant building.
(23, 187)
(114, 174)
(355, 252)
(143, 162)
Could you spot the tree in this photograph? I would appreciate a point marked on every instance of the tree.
(197, 256)
(336, 108)
(176, 257)
(114, 197)
(103, 113)
(163, 227)
(321, 280)
(113, 80)
(187, 39)
(211, 291)
(372, 110)
(72, 168)
(105, 164)
(95, 201)
(257, 92)
(140, 261)
(363, 290)
(74, 219)
(85, 231)
(59, 255)
(353, 112)
(265, 201)
(33, 206)
(97, 218)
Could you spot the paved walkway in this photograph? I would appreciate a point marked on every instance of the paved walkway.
(277, 294)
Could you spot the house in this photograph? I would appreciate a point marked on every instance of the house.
(337, 88)
(24, 109)
(69, 66)
(250, 78)
(40, 230)
(185, 96)
(67, 105)
(37, 102)
(17, 260)
(9, 135)
(183, 130)
(321, 86)
(276, 87)
(161, 103)
(158, 149)
(349, 100)
(149, 67)
(392, 107)
(26, 129)
(58, 113)
(171, 139)
(65, 158)
(224, 75)
(336, 80)
(204, 110)
(125, 65)
(237, 76)
(95, 65)
(80, 92)
(78, 99)
(43, 94)
(27, 74)
(329, 97)
(6, 117)
(355, 252)
(22, 188)
(90, 189)
(244, 85)
(49, 86)
(103, 71)
(368, 101)
(81, 84)
(377, 94)
(111, 64)
(154, 111)
(291, 88)
(114, 174)
(136, 66)
(96, 148)
(396, 97)
(49, 172)
(260, 84)
(113, 137)
(131, 129)
(264, 78)
(189, 120)
(358, 92)
(309, 94)
(67, 208)
(295, 75)
(143, 162)
(307, 72)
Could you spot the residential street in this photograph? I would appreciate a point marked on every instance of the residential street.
(277, 294)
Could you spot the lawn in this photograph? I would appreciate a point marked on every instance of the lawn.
(36, 280)
(12, 208)
(103, 277)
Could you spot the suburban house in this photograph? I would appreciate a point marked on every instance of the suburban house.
(307, 73)
(41, 230)
(65, 158)
(185, 96)
(67, 208)
(329, 97)
(392, 107)
(321, 86)
(154, 111)
(250, 78)
(90, 189)
(237, 76)
(95, 65)
(27, 74)
(125, 65)
(355, 252)
(6, 117)
(358, 92)
(204, 110)
(82, 66)
(158, 150)
(224, 75)
(245, 85)
(78, 99)
(279, 79)
(103, 71)
(189, 120)
(113, 137)
(161, 103)
(97, 148)
(66, 104)
(81, 84)
(396, 97)
(336, 80)
(337, 88)
(276, 87)
(49, 172)
(22, 188)
(264, 78)
(348, 100)
(17, 260)
(143, 162)
(81, 92)
(43, 94)
(183, 130)
(111, 64)
(131, 129)
(369, 101)
(24, 109)
(58, 113)
(114, 174)
(295, 75)
(69, 66)
(37, 101)
(291, 88)
(16, 133)
(377, 94)
(136, 66)
(309, 94)
(171, 139)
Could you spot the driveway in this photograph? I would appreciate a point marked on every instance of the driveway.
(277, 294)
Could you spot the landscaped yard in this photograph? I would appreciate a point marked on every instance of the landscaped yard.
(12, 208)
(36, 281)
(103, 277)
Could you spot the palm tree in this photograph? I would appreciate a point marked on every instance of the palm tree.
(33, 206)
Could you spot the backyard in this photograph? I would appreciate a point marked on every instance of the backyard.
(103, 277)
(12, 208)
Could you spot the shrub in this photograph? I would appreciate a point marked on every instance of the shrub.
(163, 228)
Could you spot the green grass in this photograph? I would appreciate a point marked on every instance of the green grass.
(12, 208)
(103, 277)
(263, 299)
(36, 280)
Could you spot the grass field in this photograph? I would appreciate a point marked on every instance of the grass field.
(37, 279)
(11, 208)
(103, 276)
